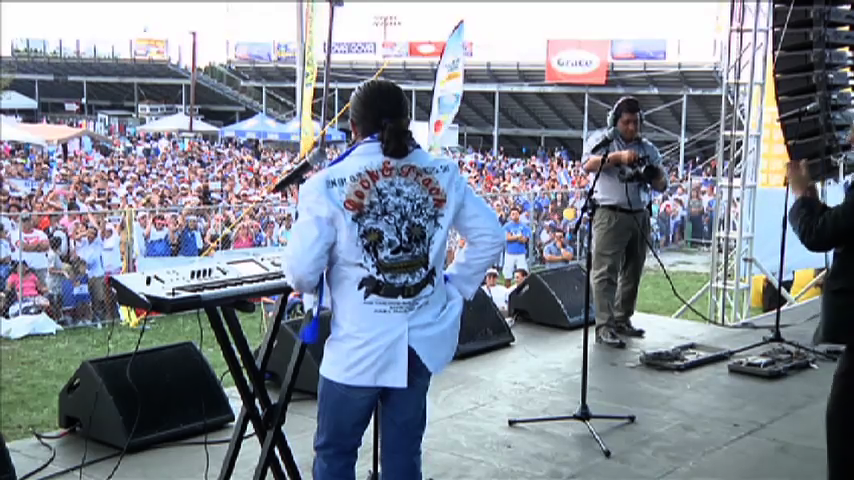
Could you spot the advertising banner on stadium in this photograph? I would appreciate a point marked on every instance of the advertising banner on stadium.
(395, 49)
(253, 51)
(434, 49)
(353, 48)
(150, 49)
(577, 62)
(639, 50)
(286, 52)
(448, 89)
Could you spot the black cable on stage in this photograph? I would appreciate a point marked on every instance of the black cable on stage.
(660, 262)
(220, 441)
(41, 439)
(687, 304)
(204, 412)
(95, 401)
(142, 329)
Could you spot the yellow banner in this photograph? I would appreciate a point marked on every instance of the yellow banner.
(310, 71)
(774, 156)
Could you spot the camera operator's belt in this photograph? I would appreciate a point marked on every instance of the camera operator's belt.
(615, 208)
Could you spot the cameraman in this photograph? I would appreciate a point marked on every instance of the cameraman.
(822, 229)
(621, 221)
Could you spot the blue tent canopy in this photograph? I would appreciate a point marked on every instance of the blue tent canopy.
(293, 128)
(259, 127)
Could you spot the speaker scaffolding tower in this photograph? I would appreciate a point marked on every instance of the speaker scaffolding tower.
(744, 68)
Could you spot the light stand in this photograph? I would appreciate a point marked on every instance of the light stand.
(584, 414)
(776, 337)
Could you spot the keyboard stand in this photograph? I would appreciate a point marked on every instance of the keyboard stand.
(249, 378)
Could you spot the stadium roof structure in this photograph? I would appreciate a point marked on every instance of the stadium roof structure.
(108, 83)
(681, 100)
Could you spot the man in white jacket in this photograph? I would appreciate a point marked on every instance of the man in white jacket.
(376, 221)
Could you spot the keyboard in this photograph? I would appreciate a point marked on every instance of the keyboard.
(202, 284)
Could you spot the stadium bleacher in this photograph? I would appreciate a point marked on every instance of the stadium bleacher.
(109, 84)
(533, 110)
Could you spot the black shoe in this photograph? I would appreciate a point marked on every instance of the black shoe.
(629, 331)
(608, 336)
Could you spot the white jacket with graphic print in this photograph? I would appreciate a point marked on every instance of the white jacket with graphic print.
(379, 229)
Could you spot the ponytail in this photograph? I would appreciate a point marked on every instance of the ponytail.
(380, 107)
(396, 138)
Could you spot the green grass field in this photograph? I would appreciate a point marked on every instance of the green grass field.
(34, 369)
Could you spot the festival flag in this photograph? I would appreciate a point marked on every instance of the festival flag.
(310, 72)
(448, 89)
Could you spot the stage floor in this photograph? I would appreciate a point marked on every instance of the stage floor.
(701, 424)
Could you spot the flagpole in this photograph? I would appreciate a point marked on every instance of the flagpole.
(327, 67)
(300, 66)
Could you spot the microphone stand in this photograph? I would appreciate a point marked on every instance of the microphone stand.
(374, 473)
(584, 414)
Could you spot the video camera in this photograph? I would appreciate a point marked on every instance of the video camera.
(641, 171)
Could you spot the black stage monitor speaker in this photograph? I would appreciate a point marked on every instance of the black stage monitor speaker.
(309, 373)
(168, 393)
(553, 297)
(482, 327)
(812, 83)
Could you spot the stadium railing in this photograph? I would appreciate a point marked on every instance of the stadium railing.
(66, 293)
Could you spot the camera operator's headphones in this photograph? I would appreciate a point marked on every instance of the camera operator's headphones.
(614, 113)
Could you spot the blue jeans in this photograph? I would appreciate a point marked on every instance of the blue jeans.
(343, 415)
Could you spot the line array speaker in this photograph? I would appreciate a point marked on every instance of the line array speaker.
(812, 81)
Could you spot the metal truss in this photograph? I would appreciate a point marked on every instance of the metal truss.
(739, 148)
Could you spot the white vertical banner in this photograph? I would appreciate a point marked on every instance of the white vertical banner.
(448, 88)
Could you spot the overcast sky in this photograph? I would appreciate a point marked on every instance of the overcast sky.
(505, 30)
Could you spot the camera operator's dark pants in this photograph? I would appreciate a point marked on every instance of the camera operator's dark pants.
(840, 419)
(619, 254)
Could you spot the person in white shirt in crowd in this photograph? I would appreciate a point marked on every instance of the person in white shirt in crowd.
(557, 253)
(283, 231)
(140, 225)
(377, 222)
(32, 246)
(90, 249)
(111, 257)
(498, 293)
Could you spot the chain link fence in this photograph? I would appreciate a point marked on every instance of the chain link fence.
(58, 263)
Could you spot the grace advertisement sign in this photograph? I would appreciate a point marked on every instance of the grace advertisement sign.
(577, 62)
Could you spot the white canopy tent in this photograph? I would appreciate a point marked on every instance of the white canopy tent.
(12, 100)
(10, 131)
(177, 123)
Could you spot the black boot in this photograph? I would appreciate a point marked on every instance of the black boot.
(628, 330)
(607, 335)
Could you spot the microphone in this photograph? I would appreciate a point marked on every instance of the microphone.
(297, 174)
(606, 140)
(805, 110)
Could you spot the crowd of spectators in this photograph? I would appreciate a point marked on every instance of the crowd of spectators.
(71, 219)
